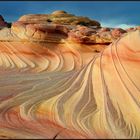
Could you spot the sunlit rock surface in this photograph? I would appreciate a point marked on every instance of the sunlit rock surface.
(60, 17)
(58, 27)
(61, 81)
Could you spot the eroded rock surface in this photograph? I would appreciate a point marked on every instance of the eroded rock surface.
(58, 27)
(39, 32)
(60, 78)
(60, 17)
(70, 104)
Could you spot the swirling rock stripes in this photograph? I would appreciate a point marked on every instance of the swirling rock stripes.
(100, 99)
(28, 56)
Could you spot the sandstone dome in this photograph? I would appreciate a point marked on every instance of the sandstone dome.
(58, 12)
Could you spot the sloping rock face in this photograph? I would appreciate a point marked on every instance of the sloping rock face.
(72, 104)
(60, 78)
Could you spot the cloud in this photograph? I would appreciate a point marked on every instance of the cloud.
(117, 25)
(125, 26)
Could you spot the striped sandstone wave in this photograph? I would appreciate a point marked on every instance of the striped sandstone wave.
(37, 57)
(99, 100)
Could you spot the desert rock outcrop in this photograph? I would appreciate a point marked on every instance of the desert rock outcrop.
(59, 17)
(77, 103)
(61, 79)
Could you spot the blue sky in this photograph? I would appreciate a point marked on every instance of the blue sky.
(112, 14)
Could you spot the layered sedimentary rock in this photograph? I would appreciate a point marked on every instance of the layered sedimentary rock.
(39, 31)
(42, 46)
(64, 80)
(83, 34)
(59, 26)
(37, 57)
(89, 103)
(59, 17)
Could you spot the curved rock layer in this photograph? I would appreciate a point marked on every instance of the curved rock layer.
(45, 32)
(39, 32)
(101, 100)
(47, 57)
(60, 26)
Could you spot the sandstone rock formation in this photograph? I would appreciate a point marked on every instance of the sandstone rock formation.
(49, 27)
(133, 28)
(29, 35)
(89, 103)
(39, 32)
(59, 17)
(58, 27)
(47, 46)
(83, 34)
(117, 32)
(60, 79)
